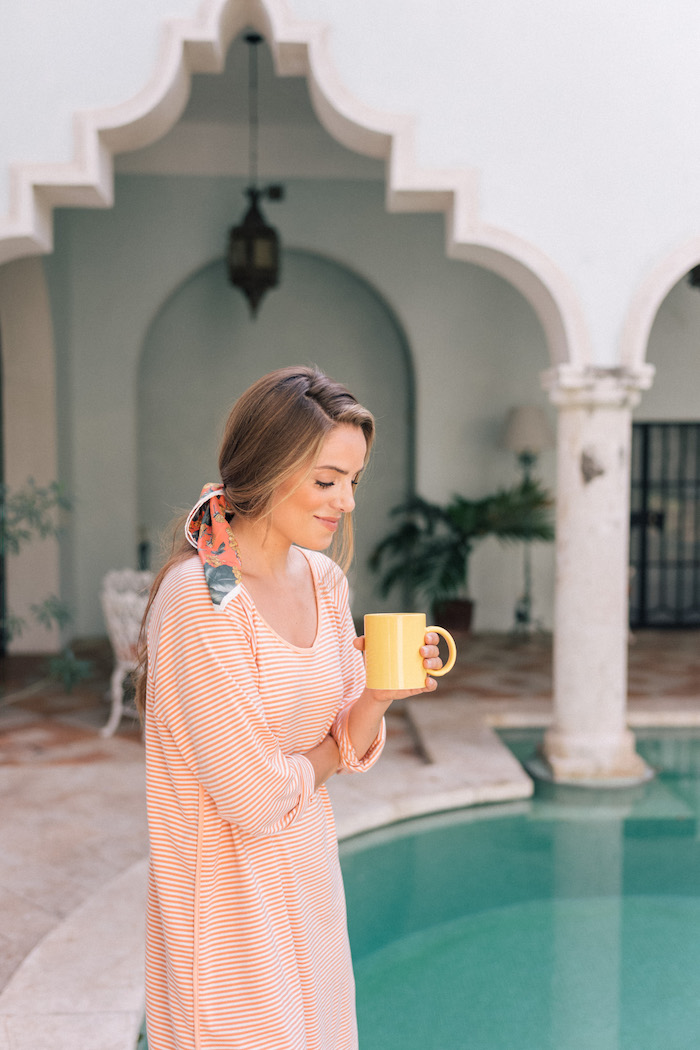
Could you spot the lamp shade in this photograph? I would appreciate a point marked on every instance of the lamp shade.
(527, 430)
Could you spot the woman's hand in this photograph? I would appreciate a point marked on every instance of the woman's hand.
(368, 710)
(431, 662)
(325, 758)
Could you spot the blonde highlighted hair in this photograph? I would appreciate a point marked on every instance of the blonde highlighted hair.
(275, 429)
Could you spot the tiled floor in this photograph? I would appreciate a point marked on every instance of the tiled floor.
(72, 820)
(662, 664)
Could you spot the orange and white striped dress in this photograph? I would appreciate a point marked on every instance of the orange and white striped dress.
(247, 944)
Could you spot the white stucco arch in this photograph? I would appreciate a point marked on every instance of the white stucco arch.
(647, 301)
(299, 48)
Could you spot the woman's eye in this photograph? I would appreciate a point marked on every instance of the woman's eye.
(324, 484)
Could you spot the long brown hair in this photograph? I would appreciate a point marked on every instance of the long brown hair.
(274, 429)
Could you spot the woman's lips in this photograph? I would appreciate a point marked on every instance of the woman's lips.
(330, 523)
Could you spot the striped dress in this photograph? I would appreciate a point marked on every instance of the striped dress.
(247, 944)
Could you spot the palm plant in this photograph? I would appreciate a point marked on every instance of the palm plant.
(428, 553)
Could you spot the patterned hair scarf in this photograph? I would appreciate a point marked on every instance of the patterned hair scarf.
(210, 534)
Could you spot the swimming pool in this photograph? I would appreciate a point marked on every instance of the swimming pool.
(568, 922)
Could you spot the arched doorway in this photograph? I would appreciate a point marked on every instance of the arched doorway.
(201, 352)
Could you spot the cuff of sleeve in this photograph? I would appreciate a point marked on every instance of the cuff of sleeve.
(307, 785)
(292, 804)
(349, 762)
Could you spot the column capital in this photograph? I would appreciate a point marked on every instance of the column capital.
(572, 386)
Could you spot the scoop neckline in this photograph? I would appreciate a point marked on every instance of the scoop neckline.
(285, 641)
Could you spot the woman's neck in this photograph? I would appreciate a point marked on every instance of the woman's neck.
(263, 555)
(278, 578)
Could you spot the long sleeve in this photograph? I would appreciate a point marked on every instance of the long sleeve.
(205, 701)
(352, 663)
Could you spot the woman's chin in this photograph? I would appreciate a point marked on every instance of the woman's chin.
(318, 543)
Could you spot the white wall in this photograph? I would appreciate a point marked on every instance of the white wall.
(56, 59)
(578, 118)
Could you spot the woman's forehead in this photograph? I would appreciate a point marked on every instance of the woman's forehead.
(344, 444)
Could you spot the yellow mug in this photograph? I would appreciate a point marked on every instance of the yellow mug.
(392, 650)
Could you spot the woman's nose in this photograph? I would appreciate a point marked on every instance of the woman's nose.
(345, 498)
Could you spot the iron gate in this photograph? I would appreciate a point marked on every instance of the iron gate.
(665, 525)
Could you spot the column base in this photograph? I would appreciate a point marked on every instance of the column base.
(586, 762)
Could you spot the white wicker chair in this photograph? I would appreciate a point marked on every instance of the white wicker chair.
(124, 597)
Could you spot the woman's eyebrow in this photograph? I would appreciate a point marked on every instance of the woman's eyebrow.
(338, 470)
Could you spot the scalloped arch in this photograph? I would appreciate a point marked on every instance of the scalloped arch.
(199, 45)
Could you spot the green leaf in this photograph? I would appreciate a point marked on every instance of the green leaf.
(68, 669)
(12, 626)
(52, 611)
(430, 548)
(32, 512)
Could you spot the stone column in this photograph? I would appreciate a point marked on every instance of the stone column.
(589, 741)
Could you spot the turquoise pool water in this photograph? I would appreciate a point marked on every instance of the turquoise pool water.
(571, 922)
(568, 922)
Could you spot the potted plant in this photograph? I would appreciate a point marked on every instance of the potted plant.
(428, 553)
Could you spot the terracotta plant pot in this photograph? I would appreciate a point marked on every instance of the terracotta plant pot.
(454, 614)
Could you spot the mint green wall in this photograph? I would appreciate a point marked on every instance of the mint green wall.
(202, 351)
(476, 346)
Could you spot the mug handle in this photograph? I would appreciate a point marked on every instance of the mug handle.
(452, 648)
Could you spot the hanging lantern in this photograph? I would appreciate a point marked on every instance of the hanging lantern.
(253, 257)
(253, 254)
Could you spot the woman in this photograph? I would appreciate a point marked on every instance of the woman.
(253, 697)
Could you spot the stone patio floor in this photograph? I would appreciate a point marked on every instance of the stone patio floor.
(72, 823)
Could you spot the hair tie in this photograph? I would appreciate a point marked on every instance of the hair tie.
(208, 531)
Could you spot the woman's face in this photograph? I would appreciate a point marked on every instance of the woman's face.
(309, 506)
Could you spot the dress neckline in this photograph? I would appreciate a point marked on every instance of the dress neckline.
(281, 638)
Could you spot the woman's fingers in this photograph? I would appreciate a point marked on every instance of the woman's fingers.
(431, 653)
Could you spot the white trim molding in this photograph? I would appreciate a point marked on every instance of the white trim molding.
(199, 45)
(571, 385)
